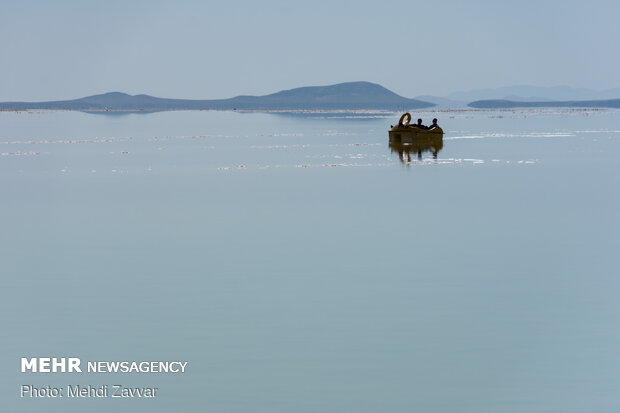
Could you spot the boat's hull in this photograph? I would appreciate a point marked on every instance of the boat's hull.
(410, 134)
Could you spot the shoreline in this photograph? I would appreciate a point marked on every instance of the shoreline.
(315, 111)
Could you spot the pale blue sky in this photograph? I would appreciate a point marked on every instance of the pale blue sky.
(203, 49)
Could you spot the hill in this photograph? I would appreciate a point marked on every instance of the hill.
(351, 95)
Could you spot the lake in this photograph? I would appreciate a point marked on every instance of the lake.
(300, 264)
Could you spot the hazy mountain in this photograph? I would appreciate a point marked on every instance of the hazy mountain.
(500, 103)
(351, 95)
(527, 98)
(443, 103)
(535, 93)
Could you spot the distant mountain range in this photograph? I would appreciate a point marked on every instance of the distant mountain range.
(442, 102)
(527, 93)
(537, 95)
(351, 95)
(503, 104)
(343, 96)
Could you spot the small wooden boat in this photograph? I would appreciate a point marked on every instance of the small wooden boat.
(405, 132)
(406, 139)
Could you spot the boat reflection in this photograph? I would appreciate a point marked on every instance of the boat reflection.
(418, 146)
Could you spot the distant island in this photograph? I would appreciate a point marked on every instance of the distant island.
(345, 96)
(506, 104)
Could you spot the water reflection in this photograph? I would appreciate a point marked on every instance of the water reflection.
(432, 144)
(121, 113)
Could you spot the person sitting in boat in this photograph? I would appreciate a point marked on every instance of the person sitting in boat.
(419, 124)
(434, 123)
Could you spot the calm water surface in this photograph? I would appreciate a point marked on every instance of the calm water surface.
(300, 265)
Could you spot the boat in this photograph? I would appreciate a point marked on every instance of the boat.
(406, 139)
(404, 132)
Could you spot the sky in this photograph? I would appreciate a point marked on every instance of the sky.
(53, 50)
